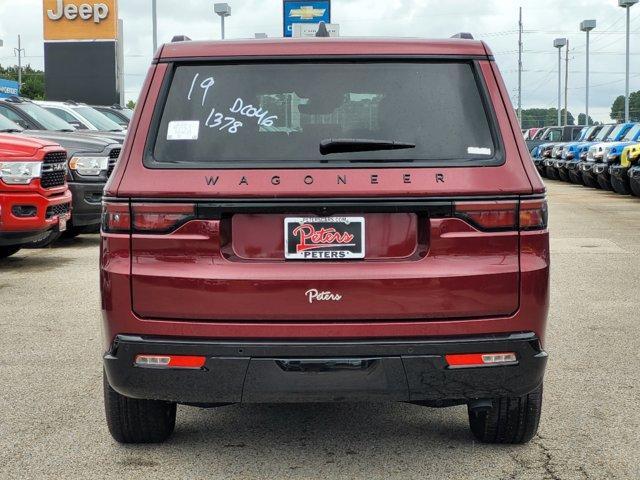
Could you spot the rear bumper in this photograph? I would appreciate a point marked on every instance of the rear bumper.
(87, 203)
(269, 371)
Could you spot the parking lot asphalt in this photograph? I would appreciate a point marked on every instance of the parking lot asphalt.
(52, 419)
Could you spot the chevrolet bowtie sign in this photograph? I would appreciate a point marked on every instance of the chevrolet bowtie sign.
(307, 12)
(304, 12)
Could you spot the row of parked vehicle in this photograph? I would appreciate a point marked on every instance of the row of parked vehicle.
(599, 156)
(55, 158)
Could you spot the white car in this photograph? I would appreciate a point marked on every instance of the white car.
(83, 117)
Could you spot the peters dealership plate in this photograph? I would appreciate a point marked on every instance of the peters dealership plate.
(324, 238)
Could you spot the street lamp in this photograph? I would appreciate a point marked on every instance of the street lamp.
(223, 10)
(627, 4)
(559, 43)
(587, 26)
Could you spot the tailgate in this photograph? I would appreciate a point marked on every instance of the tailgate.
(420, 261)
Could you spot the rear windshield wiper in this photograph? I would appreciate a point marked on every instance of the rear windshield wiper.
(11, 130)
(339, 145)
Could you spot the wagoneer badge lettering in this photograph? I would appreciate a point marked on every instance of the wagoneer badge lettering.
(341, 179)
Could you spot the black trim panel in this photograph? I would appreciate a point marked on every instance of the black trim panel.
(256, 372)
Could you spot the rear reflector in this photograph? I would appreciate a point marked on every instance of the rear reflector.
(160, 217)
(469, 360)
(170, 361)
(496, 215)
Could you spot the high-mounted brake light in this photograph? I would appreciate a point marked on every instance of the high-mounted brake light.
(496, 215)
(170, 361)
(470, 360)
(533, 214)
(116, 217)
(160, 217)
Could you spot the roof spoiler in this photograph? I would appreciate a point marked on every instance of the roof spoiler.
(463, 35)
(180, 38)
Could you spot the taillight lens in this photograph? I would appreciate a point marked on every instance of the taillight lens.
(470, 360)
(533, 214)
(116, 217)
(501, 215)
(170, 361)
(160, 217)
(496, 215)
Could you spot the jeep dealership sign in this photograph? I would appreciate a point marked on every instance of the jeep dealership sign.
(80, 20)
(80, 50)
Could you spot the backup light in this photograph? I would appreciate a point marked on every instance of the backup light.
(471, 360)
(170, 361)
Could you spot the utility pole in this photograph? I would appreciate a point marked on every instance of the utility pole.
(19, 51)
(520, 69)
(154, 16)
(566, 84)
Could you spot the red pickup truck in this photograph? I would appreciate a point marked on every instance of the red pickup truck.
(324, 219)
(34, 197)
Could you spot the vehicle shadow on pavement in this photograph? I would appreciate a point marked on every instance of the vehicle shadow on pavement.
(30, 263)
(314, 441)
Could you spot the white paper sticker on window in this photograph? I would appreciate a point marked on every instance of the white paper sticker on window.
(478, 151)
(183, 130)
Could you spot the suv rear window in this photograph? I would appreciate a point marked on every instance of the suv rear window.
(267, 114)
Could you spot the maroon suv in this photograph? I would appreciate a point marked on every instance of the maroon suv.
(324, 220)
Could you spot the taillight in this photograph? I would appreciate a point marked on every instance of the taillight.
(170, 361)
(504, 215)
(470, 360)
(160, 217)
(495, 215)
(115, 217)
(533, 214)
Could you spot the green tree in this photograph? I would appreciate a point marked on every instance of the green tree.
(617, 109)
(582, 120)
(543, 117)
(131, 104)
(32, 80)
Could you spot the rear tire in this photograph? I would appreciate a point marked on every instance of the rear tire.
(510, 420)
(635, 188)
(8, 251)
(131, 420)
(620, 186)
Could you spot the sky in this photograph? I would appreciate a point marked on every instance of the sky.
(495, 21)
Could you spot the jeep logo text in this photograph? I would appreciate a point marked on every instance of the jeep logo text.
(85, 11)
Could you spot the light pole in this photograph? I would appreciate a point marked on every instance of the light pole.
(627, 4)
(223, 10)
(154, 17)
(559, 43)
(587, 26)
